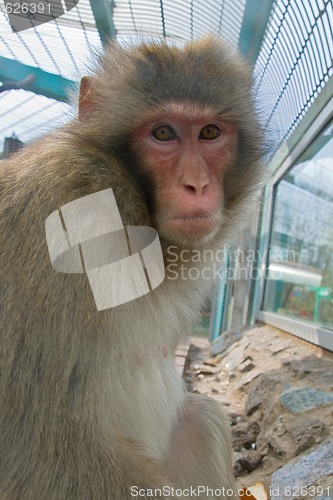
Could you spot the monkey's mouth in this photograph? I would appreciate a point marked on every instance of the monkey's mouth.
(194, 225)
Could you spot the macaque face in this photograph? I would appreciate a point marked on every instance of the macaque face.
(185, 151)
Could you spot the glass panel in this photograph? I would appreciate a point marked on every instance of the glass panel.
(300, 269)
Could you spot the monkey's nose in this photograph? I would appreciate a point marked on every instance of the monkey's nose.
(196, 188)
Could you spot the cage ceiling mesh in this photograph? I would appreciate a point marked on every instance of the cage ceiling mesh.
(294, 62)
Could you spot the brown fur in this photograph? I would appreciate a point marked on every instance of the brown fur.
(85, 396)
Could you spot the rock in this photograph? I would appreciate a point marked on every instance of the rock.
(195, 355)
(206, 370)
(320, 370)
(302, 472)
(244, 435)
(325, 380)
(306, 432)
(246, 366)
(234, 359)
(225, 340)
(277, 441)
(278, 345)
(306, 365)
(287, 439)
(263, 388)
(248, 463)
(248, 378)
(213, 361)
(234, 418)
(301, 399)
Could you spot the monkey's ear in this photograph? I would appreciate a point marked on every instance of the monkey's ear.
(85, 98)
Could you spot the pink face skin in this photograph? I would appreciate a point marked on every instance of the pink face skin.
(186, 150)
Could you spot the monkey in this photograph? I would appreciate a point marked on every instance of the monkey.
(92, 406)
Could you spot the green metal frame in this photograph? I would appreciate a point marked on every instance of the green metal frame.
(41, 82)
(103, 14)
(219, 312)
(255, 21)
(302, 128)
(49, 84)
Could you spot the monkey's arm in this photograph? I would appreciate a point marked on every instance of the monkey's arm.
(201, 448)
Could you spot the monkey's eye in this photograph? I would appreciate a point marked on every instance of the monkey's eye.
(210, 132)
(164, 133)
